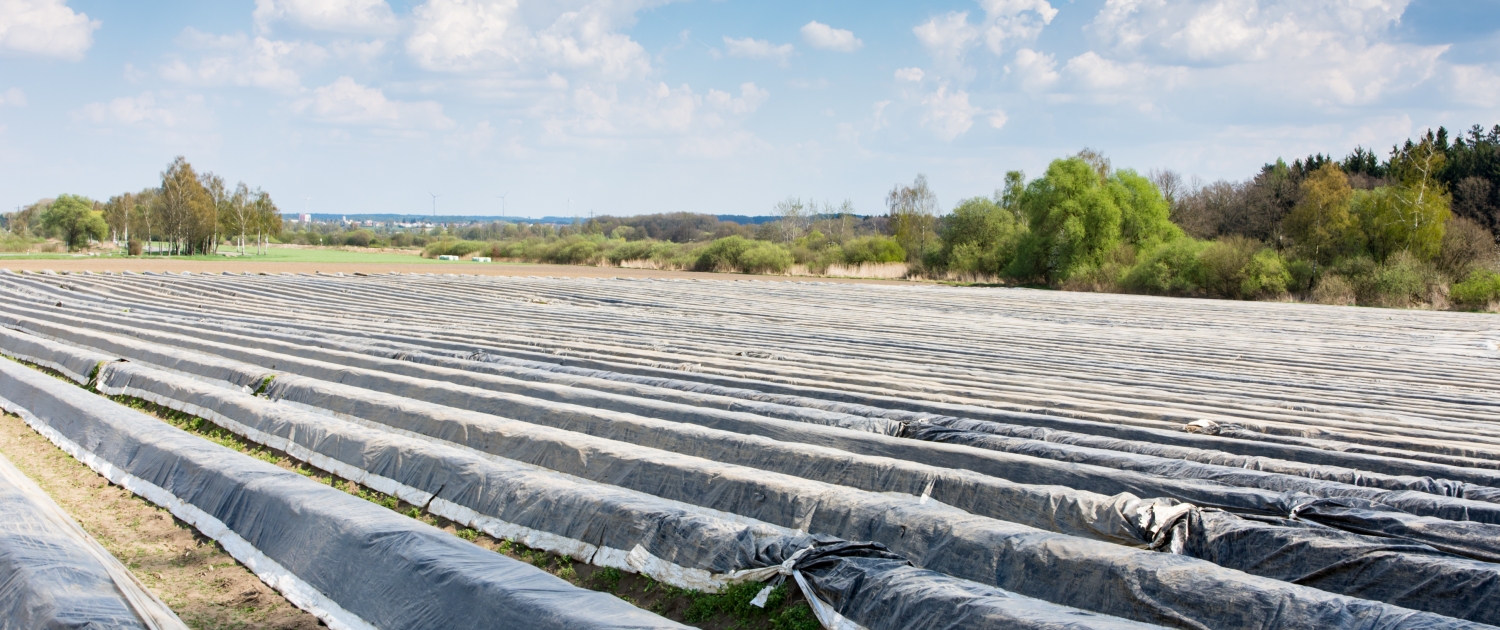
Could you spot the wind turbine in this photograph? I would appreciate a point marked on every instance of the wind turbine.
(502, 204)
(434, 205)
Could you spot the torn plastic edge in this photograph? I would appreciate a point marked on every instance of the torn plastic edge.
(656, 568)
(829, 618)
(299, 593)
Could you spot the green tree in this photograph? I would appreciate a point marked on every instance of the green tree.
(980, 236)
(185, 207)
(1145, 215)
(1073, 220)
(1410, 216)
(1321, 225)
(74, 218)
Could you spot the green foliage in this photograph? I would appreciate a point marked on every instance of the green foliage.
(1171, 269)
(1321, 224)
(979, 237)
(453, 248)
(1144, 213)
(608, 578)
(359, 238)
(1402, 219)
(1266, 276)
(73, 217)
(1225, 262)
(573, 251)
(722, 254)
(1401, 281)
(763, 257)
(742, 254)
(872, 249)
(1073, 219)
(1479, 291)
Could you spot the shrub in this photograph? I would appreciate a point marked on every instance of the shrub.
(763, 257)
(1266, 276)
(1479, 291)
(723, 254)
(1401, 282)
(1171, 269)
(134, 248)
(1224, 263)
(359, 238)
(573, 251)
(872, 249)
(453, 248)
(1303, 273)
(1466, 246)
(1334, 289)
(633, 250)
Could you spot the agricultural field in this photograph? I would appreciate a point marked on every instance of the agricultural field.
(440, 450)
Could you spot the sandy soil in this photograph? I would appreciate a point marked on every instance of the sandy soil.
(493, 269)
(190, 573)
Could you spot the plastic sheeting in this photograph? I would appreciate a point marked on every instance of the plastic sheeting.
(353, 563)
(54, 575)
(892, 405)
(672, 542)
(1105, 578)
(1278, 475)
(1122, 519)
(917, 410)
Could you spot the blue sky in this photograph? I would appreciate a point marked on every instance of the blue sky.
(637, 106)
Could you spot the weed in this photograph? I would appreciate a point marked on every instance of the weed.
(608, 578)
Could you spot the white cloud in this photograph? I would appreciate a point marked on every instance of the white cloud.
(242, 61)
(1014, 20)
(947, 38)
(1323, 54)
(1475, 85)
(751, 98)
(998, 119)
(1097, 73)
(357, 16)
(345, 102)
(145, 110)
(820, 35)
(45, 27)
(13, 96)
(1036, 70)
(909, 74)
(1221, 32)
(751, 48)
(607, 117)
(469, 35)
(949, 114)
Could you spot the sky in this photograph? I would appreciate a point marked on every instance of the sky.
(572, 107)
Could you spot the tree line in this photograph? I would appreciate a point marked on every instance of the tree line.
(188, 213)
(1413, 228)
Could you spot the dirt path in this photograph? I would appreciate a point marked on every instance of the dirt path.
(492, 269)
(190, 573)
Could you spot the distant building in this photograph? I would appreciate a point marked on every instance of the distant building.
(304, 218)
